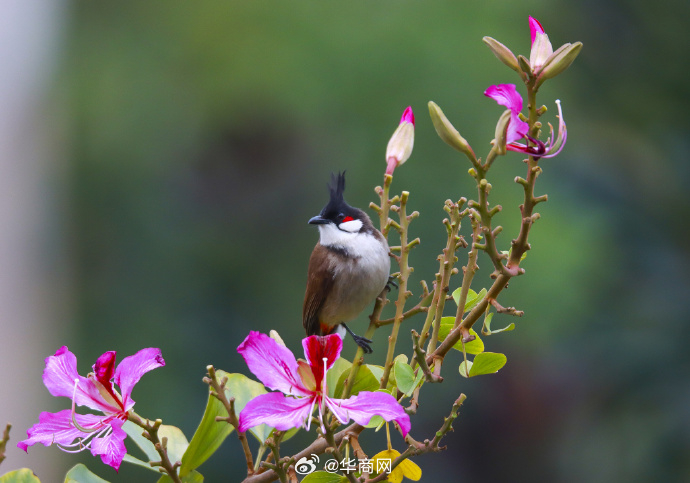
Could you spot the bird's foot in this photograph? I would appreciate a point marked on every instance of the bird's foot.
(391, 281)
(363, 342)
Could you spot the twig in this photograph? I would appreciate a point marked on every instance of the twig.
(151, 433)
(4, 441)
(218, 391)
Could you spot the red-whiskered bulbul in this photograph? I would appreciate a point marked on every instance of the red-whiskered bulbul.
(348, 268)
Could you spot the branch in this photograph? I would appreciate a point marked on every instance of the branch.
(4, 440)
(218, 391)
(151, 433)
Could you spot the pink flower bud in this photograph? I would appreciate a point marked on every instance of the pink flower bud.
(541, 46)
(401, 142)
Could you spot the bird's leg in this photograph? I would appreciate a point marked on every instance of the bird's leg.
(391, 282)
(363, 342)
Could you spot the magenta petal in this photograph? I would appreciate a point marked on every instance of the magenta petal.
(272, 363)
(364, 405)
(408, 116)
(535, 28)
(104, 368)
(59, 375)
(130, 370)
(506, 95)
(517, 129)
(111, 448)
(58, 428)
(316, 348)
(276, 410)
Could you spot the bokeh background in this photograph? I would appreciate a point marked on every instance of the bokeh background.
(160, 161)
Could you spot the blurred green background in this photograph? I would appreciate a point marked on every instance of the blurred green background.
(196, 139)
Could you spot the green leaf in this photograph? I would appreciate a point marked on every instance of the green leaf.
(177, 442)
(487, 363)
(465, 368)
(193, 477)
(135, 433)
(473, 298)
(24, 475)
(323, 477)
(136, 461)
(404, 377)
(81, 474)
(377, 371)
(210, 434)
(339, 366)
(487, 325)
(475, 346)
(364, 381)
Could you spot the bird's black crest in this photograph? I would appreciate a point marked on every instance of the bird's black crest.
(337, 188)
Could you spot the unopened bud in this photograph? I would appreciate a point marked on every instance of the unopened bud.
(501, 130)
(274, 335)
(561, 60)
(503, 53)
(401, 142)
(447, 132)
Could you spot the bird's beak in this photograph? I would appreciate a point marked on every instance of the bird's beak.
(318, 220)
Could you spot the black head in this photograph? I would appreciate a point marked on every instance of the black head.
(337, 210)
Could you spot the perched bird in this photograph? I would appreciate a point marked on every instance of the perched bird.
(348, 268)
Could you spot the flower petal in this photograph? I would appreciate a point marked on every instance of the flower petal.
(535, 28)
(316, 348)
(517, 129)
(130, 370)
(58, 428)
(104, 368)
(59, 376)
(111, 448)
(366, 404)
(277, 411)
(506, 95)
(272, 363)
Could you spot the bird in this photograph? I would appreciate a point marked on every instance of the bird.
(348, 268)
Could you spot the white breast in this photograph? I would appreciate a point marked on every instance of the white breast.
(359, 277)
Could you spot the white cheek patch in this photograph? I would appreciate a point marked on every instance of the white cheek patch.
(330, 235)
(352, 226)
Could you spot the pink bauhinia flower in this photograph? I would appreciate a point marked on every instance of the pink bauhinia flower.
(401, 143)
(541, 46)
(102, 434)
(508, 96)
(302, 386)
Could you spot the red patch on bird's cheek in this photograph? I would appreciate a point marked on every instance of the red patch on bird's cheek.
(346, 219)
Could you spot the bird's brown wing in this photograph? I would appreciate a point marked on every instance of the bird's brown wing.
(319, 284)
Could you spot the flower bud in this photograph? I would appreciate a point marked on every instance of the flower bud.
(502, 52)
(561, 60)
(447, 132)
(541, 46)
(500, 138)
(401, 142)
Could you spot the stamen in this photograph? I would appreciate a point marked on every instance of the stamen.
(74, 404)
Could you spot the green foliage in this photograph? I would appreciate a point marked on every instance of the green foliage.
(81, 474)
(339, 367)
(473, 298)
(324, 477)
(484, 363)
(193, 477)
(364, 381)
(24, 475)
(210, 434)
(475, 346)
(405, 378)
(486, 330)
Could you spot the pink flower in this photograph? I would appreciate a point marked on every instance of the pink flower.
(401, 143)
(541, 46)
(103, 435)
(304, 386)
(507, 95)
